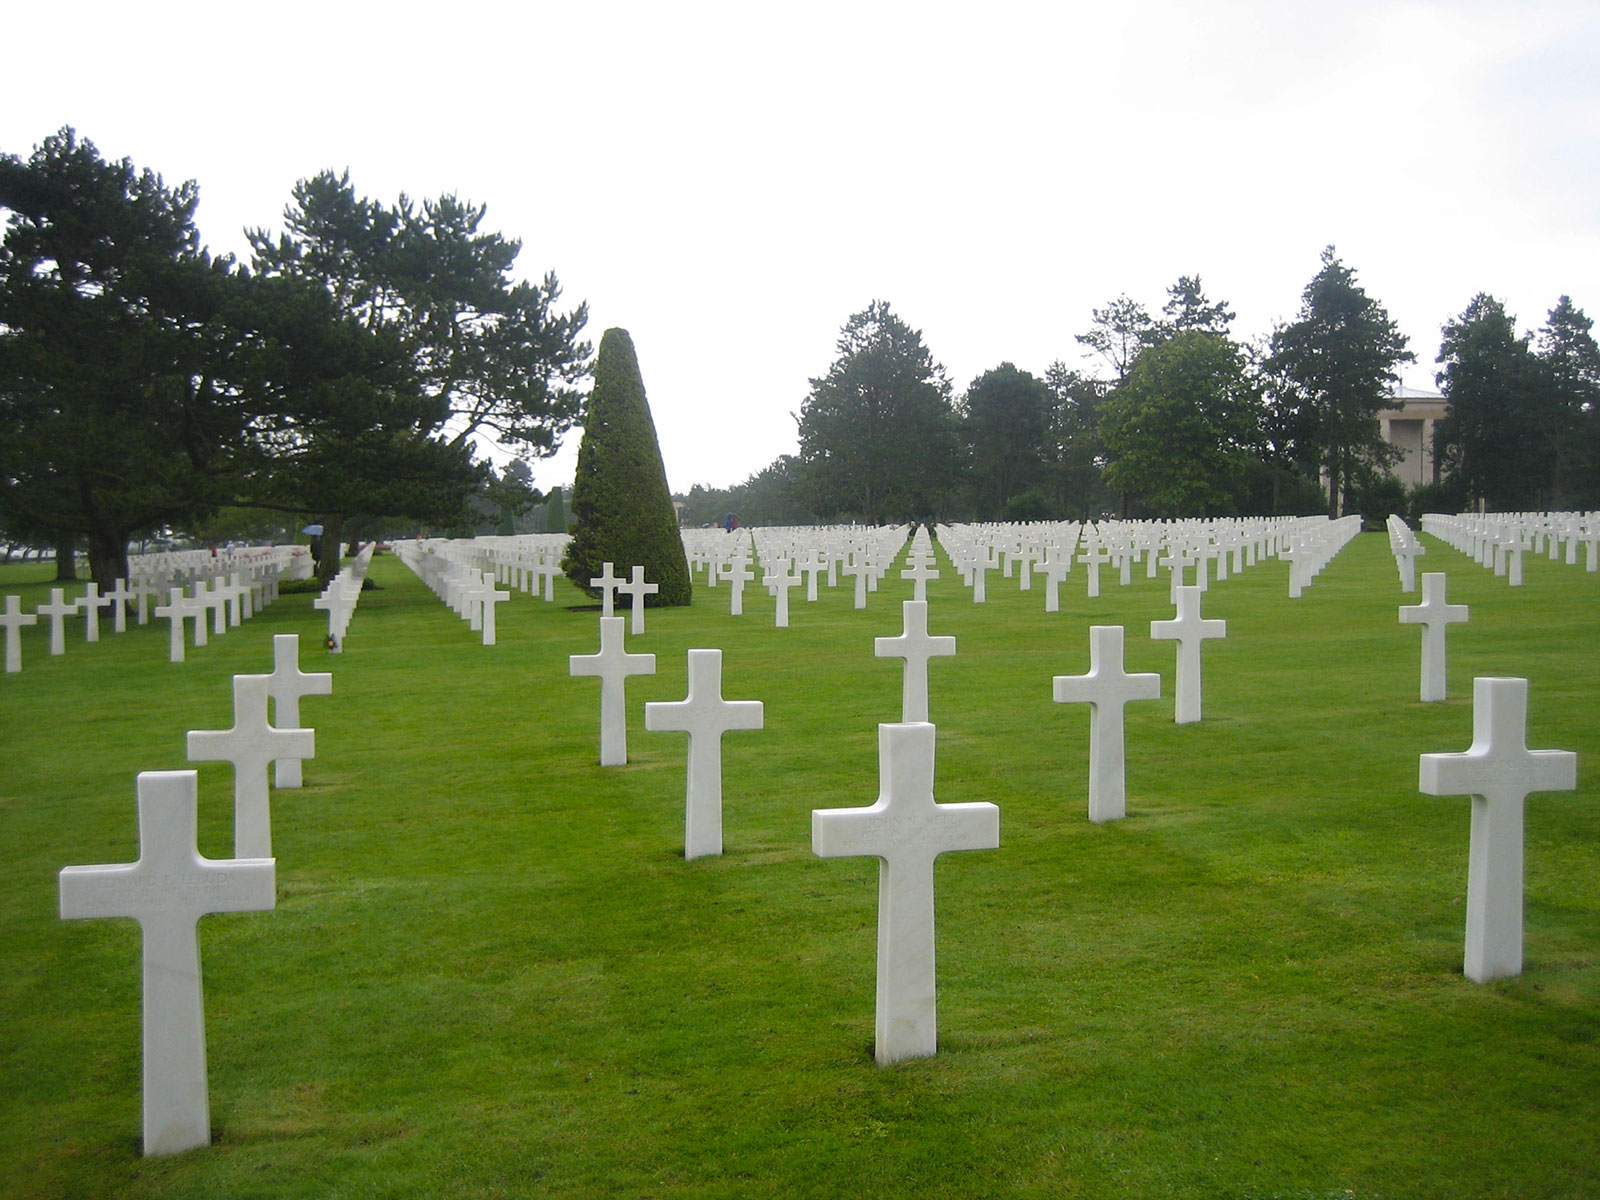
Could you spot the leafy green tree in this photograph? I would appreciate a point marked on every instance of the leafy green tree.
(877, 432)
(1076, 455)
(1005, 418)
(1333, 371)
(1179, 430)
(1495, 387)
(118, 353)
(1570, 424)
(622, 512)
(471, 353)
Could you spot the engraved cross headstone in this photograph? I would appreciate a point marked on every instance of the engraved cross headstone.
(13, 619)
(250, 745)
(1107, 688)
(1189, 630)
(1435, 616)
(57, 611)
(907, 830)
(167, 891)
(613, 664)
(705, 716)
(916, 647)
(1498, 771)
(285, 686)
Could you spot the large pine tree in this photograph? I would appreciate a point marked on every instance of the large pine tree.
(621, 510)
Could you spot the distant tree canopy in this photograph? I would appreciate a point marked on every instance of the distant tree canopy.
(878, 432)
(622, 512)
(1180, 430)
(1522, 424)
(1005, 425)
(1333, 370)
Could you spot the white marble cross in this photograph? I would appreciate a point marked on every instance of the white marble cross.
(737, 573)
(1434, 615)
(916, 647)
(167, 891)
(1094, 556)
(608, 584)
(91, 603)
(809, 568)
(176, 610)
(919, 572)
(285, 686)
(637, 589)
(1055, 570)
(1107, 688)
(907, 830)
(198, 606)
(613, 664)
(250, 745)
(860, 569)
(778, 582)
(488, 597)
(705, 716)
(58, 610)
(118, 598)
(13, 619)
(1189, 630)
(1177, 558)
(1498, 771)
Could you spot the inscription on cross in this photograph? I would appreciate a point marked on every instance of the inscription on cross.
(906, 830)
(705, 716)
(167, 891)
(1498, 771)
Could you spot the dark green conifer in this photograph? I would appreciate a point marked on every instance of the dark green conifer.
(621, 510)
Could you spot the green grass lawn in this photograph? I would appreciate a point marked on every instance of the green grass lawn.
(490, 971)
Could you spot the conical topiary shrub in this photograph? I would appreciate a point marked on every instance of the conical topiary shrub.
(620, 509)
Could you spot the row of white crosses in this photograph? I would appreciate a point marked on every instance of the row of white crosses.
(528, 563)
(1499, 540)
(467, 591)
(703, 714)
(340, 597)
(221, 602)
(1405, 547)
(1050, 549)
(171, 885)
(906, 829)
(1108, 688)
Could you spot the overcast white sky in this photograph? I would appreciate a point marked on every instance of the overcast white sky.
(730, 181)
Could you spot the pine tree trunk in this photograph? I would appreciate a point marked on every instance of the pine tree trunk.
(108, 559)
(328, 560)
(66, 558)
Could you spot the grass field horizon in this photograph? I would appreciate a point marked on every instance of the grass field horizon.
(490, 971)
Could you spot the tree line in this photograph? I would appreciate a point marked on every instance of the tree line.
(341, 375)
(1183, 419)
